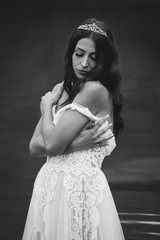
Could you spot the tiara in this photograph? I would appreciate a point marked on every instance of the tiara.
(94, 28)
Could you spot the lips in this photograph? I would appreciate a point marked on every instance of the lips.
(83, 72)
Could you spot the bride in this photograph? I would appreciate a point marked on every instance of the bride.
(71, 197)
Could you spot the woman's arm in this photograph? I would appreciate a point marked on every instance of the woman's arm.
(36, 146)
(88, 138)
(57, 138)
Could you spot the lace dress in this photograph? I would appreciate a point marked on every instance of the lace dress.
(71, 198)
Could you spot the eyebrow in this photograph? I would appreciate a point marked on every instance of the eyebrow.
(78, 48)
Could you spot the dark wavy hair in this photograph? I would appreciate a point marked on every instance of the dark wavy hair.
(107, 71)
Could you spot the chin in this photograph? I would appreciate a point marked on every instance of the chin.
(80, 77)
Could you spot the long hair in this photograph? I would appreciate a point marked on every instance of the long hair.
(107, 71)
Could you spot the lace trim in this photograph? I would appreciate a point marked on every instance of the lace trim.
(84, 194)
(44, 189)
(77, 107)
(84, 187)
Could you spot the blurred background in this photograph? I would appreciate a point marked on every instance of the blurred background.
(33, 41)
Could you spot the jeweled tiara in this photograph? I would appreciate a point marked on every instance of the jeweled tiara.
(94, 28)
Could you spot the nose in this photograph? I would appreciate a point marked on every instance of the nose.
(84, 62)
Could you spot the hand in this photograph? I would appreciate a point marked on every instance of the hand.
(93, 136)
(58, 92)
(50, 98)
(47, 101)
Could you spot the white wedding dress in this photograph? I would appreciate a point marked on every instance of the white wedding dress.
(71, 198)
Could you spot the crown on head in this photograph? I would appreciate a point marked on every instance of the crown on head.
(94, 28)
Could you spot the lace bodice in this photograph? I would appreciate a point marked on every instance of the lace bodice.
(83, 179)
(89, 158)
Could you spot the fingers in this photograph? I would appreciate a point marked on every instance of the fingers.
(47, 94)
(103, 144)
(60, 88)
(102, 141)
(59, 92)
(110, 137)
(102, 131)
(89, 125)
(47, 98)
(100, 123)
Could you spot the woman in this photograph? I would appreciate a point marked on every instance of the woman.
(71, 198)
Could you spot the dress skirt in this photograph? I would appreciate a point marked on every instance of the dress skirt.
(72, 204)
(71, 198)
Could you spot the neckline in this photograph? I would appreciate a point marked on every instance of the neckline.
(77, 105)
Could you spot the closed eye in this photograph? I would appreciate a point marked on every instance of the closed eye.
(79, 54)
(94, 58)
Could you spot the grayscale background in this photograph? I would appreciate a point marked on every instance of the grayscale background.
(33, 39)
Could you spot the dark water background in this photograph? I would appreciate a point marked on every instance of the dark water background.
(33, 41)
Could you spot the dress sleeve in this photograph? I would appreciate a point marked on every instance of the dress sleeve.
(79, 108)
(86, 112)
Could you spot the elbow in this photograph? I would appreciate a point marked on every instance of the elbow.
(53, 150)
(33, 150)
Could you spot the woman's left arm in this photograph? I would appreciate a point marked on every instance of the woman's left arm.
(57, 138)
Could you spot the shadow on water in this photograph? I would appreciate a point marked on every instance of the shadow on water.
(32, 50)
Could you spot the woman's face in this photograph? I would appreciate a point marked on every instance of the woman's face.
(84, 58)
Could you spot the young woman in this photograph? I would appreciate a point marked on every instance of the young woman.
(71, 198)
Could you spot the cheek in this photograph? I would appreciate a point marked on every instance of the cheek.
(93, 65)
(74, 62)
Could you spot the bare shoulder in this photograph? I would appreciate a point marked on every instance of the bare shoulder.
(95, 90)
(94, 96)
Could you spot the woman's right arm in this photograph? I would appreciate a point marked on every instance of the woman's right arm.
(36, 146)
(88, 138)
